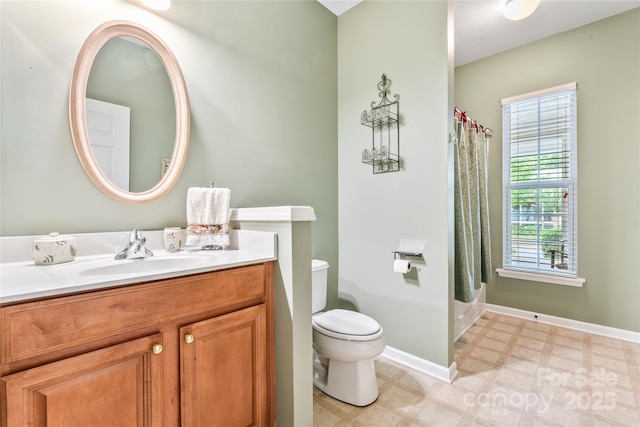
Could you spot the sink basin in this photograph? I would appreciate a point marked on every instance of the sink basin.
(146, 265)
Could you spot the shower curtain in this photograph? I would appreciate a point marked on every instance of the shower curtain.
(472, 244)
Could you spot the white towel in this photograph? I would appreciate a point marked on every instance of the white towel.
(208, 216)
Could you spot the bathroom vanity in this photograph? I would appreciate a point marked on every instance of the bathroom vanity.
(193, 349)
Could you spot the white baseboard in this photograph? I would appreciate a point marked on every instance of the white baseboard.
(422, 365)
(592, 328)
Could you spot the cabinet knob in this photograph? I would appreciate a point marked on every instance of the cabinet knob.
(157, 348)
(189, 338)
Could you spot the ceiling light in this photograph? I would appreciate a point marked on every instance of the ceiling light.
(157, 4)
(516, 10)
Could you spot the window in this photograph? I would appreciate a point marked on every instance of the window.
(540, 182)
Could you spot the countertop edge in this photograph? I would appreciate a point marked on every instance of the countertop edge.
(96, 286)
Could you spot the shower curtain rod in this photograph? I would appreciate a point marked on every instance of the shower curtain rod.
(462, 116)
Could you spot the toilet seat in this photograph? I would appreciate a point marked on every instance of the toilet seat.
(347, 325)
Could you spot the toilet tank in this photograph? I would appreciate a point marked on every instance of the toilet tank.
(318, 285)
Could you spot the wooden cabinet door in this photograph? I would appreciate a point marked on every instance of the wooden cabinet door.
(224, 370)
(118, 386)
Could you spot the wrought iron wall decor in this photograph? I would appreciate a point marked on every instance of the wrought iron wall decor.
(383, 119)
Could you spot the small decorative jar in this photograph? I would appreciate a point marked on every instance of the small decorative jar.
(53, 249)
(172, 239)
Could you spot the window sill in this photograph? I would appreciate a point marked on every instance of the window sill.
(538, 277)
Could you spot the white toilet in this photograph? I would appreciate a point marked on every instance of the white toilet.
(345, 343)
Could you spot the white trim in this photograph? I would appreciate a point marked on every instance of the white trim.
(540, 277)
(538, 93)
(463, 324)
(422, 365)
(274, 214)
(591, 328)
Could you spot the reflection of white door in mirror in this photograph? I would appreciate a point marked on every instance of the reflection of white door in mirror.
(108, 129)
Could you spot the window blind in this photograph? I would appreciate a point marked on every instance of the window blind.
(540, 181)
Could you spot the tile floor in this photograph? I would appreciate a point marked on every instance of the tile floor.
(512, 372)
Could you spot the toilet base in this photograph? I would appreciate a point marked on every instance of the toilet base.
(354, 383)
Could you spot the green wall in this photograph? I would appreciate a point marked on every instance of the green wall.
(378, 211)
(604, 59)
(262, 82)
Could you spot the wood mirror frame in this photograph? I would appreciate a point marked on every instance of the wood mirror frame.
(78, 118)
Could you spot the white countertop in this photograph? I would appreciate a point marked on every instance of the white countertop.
(23, 280)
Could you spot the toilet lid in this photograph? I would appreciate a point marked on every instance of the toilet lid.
(347, 322)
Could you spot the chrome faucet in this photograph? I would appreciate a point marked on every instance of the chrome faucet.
(135, 248)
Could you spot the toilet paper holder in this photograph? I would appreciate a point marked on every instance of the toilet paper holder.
(403, 253)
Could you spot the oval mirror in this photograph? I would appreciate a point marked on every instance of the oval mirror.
(116, 122)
